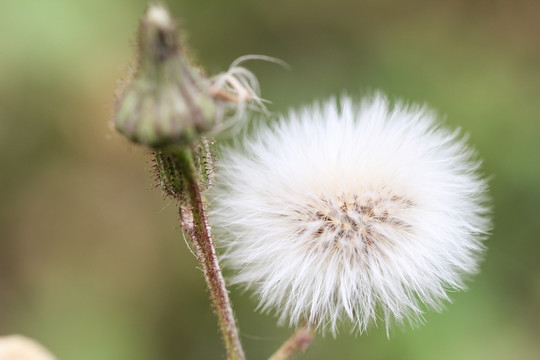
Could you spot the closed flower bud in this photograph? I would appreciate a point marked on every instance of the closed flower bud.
(168, 100)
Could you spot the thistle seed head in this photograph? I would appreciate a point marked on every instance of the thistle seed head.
(346, 211)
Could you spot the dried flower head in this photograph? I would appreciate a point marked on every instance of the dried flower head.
(169, 101)
(351, 211)
(17, 347)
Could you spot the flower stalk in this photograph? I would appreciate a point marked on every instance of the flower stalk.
(194, 220)
(168, 106)
(298, 342)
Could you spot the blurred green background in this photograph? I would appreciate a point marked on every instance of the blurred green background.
(92, 261)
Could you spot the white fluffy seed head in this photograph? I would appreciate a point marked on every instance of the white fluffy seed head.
(351, 211)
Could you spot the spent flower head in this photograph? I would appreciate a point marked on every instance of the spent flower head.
(168, 100)
(351, 211)
(17, 347)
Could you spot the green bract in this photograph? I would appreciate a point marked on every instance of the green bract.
(168, 101)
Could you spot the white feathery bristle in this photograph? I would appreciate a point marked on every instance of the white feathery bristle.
(346, 211)
(243, 91)
(159, 16)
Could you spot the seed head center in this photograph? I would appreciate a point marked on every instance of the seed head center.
(356, 218)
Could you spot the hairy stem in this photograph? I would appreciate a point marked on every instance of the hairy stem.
(194, 220)
(299, 341)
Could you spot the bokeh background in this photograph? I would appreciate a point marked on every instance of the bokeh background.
(92, 261)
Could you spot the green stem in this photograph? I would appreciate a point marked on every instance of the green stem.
(299, 341)
(196, 224)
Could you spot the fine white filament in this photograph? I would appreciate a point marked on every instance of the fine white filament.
(351, 211)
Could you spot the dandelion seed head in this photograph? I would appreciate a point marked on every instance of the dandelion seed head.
(345, 211)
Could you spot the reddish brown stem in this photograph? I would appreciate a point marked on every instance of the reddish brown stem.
(195, 222)
(299, 341)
